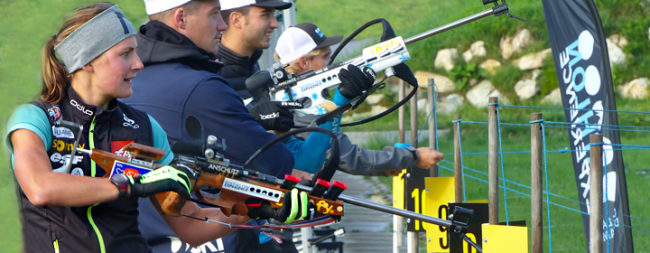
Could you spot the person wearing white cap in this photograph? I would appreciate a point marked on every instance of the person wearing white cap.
(304, 47)
(180, 79)
(250, 24)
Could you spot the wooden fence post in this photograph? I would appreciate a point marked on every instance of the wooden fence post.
(596, 194)
(537, 234)
(458, 176)
(433, 171)
(493, 162)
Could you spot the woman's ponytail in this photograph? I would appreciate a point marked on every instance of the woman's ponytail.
(55, 78)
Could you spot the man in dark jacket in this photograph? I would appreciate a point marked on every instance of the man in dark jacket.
(249, 32)
(179, 80)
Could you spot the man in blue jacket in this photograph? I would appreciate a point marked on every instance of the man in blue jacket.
(179, 80)
(304, 47)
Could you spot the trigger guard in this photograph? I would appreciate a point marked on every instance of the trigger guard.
(305, 101)
(315, 108)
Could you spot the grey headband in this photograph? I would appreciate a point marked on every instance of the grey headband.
(93, 38)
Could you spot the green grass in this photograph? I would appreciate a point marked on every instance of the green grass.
(567, 230)
(408, 18)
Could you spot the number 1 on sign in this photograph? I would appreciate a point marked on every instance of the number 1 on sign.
(416, 195)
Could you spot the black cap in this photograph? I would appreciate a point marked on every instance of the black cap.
(317, 36)
(233, 4)
(301, 39)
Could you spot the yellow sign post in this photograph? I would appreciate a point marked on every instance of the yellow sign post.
(504, 239)
(439, 191)
(398, 190)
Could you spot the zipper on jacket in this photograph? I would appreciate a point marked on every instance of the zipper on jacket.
(91, 145)
(93, 172)
(100, 238)
(55, 243)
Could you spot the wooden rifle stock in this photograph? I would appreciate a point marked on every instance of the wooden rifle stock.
(233, 201)
(170, 202)
(232, 197)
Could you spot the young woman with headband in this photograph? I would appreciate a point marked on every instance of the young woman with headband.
(69, 206)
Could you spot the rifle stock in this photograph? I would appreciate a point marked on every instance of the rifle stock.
(230, 178)
(169, 202)
(232, 196)
(232, 200)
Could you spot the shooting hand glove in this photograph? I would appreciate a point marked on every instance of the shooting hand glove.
(295, 206)
(163, 179)
(275, 115)
(354, 82)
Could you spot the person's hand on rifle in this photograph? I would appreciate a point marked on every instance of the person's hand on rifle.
(275, 115)
(354, 82)
(295, 206)
(427, 157)
(166, 178)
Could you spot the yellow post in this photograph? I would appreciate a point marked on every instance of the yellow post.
(439, 191)
(504, 239)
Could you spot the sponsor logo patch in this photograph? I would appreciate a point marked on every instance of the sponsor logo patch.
(81, 108)
(319, 32)
(178, 246)
(129, 122)
(130, 170)
(77, 171)
(54, 112)
(269, 116)
(62, 132)
(60, 145)
(62, 159)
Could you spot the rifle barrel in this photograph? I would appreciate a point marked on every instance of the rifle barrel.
(385, 208)
(497, 10)
(449, 26)
(395, 211)
(85, 151)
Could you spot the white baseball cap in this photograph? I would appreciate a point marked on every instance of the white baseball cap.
(157, 6)
(301, 39)
(233, 4)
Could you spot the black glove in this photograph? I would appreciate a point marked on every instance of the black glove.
(163, 179)
(354, 82)
(295, 206)
(275, 115)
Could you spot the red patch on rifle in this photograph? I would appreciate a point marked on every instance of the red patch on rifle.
(131, 172)
(116, 148)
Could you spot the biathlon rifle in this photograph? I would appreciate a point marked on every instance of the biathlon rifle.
(236, 184)
(388, 56)
(205, 157)
(208, 168)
